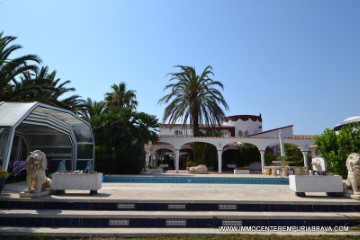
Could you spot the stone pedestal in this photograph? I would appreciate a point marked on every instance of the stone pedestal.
(356, 197)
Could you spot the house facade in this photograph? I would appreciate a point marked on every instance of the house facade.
(176, 144)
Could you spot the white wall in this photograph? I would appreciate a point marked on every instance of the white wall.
(171, 131)
(252, 127)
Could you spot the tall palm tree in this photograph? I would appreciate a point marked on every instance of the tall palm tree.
(121, 97)
(12, 68)
(194, 98)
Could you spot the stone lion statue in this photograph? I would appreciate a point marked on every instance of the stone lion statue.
(353, 178)
(318, 165)
(35, 167)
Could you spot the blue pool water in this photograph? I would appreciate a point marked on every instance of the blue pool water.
(206, 180)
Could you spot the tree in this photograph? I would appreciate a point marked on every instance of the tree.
(335, 147)
(12, 68)
(121, 97)
(120, 135)
(90, 108)
(194, 98)
(248, 153)
(44, 86)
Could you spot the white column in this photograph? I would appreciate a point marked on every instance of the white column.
(305, 158)
(147, 157)
(153, 162)
(281, 142)
(262, 153)
(219, 161)
(313, 152)
(177, 155)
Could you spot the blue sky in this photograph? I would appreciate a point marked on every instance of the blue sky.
(294, 61)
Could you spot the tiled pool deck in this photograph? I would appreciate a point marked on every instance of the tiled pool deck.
(168, 192)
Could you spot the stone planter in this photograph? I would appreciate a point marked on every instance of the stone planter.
(332, 185)
(266, 171)
(245, 171)
(72, 181)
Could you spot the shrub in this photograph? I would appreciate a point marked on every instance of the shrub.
(191, 164)
(335, 147)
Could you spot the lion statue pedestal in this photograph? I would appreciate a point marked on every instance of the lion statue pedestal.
(352, 183)
(37, 183)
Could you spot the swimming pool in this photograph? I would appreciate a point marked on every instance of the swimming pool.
(197, 180)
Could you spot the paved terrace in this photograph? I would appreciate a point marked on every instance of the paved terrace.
(188, 193)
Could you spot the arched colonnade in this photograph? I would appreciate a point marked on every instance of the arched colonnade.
(175, 143)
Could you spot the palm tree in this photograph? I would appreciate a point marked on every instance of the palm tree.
(43, 86)
(121, 97)
(10, 69)
(56, 90)
(194, 98)
(91, 108)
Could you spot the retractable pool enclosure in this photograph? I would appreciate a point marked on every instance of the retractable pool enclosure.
(63, 136)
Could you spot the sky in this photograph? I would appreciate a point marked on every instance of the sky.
(296, 62)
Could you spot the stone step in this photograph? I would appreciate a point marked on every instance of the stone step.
(155, 232)
(163, 219)
(136, 205)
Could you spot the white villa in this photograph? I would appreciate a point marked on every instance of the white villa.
(175, 141)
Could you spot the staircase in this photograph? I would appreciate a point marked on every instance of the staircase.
(67, 213)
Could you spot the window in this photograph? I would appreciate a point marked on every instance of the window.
(240, 133)
(178, 132)
(225, 133)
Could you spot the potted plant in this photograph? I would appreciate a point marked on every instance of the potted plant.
(3, 176)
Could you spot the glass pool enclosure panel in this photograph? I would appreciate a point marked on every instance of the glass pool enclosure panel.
(4, 136)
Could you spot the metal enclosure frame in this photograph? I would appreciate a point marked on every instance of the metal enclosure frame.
(37, 120)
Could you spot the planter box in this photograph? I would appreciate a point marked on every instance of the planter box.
(332, 185)
(241, 171)
(73, 181)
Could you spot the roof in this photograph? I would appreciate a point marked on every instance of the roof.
(347, 121)
(243, 118)
(12, 114)
(271, 130)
